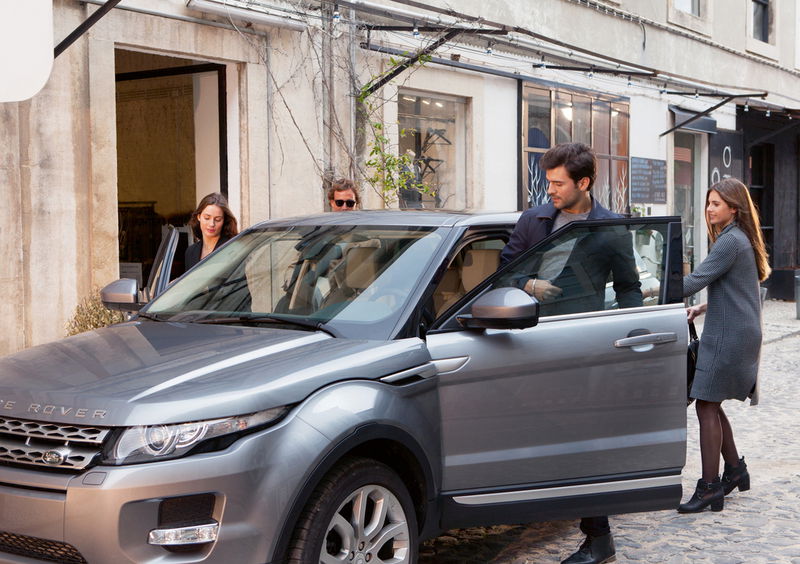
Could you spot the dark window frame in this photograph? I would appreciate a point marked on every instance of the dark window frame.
(222, 104)
(618, 104)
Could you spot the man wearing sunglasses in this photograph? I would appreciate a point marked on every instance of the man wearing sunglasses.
(343, 195)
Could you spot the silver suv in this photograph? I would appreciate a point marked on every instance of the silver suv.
(336, 388)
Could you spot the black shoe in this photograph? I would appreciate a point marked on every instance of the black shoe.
(736, 477)
(594, 550)
(707, 493)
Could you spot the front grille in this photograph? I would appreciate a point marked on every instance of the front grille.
(70, 447)
(41, 549)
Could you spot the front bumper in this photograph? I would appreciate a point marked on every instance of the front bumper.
(106, 513)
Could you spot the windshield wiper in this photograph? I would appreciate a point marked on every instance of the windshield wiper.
(150, 316)
(269, 318)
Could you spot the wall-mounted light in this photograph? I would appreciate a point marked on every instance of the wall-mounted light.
(245, 14)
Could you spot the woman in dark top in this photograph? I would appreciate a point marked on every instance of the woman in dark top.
(727, 362)
(213, 224)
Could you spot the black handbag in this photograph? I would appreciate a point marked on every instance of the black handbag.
(691, 361)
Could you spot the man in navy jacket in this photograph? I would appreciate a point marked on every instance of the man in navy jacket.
(571, 170)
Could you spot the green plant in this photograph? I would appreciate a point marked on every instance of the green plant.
(90, 314)
(388, 171)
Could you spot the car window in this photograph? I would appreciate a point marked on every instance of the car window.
(472, 264)
(593, 268)
(345, 276)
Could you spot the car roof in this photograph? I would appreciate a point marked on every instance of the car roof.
(415, 217)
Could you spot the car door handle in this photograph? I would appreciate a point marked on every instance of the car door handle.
(647, 339)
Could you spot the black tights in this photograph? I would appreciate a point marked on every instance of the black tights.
(716, 436)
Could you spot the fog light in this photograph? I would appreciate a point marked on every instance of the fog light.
(195, 534)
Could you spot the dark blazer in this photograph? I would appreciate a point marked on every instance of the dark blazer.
(192, 255)
(594, 257)
(536, 223)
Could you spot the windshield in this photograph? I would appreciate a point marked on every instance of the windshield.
(352, 280)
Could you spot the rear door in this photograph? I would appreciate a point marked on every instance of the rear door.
(584, 413)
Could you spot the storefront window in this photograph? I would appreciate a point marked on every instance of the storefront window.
(435, 139)
(536, 137)
(573, 117)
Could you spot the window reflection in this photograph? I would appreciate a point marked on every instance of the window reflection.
(573, 117)
(434, 140)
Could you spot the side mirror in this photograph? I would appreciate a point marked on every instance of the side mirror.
(121, 295)
(502, 308)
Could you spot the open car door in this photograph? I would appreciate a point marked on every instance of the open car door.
(160, 272)
(580, 409)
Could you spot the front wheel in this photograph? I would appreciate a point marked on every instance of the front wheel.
(361, 513)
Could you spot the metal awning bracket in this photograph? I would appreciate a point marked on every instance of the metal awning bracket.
(371, 87)
(84, 27)
(726, 98)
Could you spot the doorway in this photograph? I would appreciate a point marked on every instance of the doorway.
(762, 190)
(171, 151)
(690, 166)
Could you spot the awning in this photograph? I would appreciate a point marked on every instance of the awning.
(704, 123)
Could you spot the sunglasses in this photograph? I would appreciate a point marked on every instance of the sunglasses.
(342, 203)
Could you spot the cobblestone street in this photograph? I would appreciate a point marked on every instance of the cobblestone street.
(760, 525)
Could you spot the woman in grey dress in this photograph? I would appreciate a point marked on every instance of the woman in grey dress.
(727, 362)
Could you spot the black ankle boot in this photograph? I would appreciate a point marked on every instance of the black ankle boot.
(594, 550)
(707, 493)
(736, 477)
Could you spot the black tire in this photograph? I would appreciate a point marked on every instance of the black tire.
(327, 531)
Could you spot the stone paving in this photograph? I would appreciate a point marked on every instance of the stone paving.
(758, 526)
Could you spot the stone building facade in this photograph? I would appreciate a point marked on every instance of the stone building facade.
(164, 101)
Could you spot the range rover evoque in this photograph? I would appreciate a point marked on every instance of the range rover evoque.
(335, 388)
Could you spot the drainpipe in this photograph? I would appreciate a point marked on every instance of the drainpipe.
(328, 104)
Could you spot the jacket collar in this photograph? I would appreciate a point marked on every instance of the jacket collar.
(549, 211)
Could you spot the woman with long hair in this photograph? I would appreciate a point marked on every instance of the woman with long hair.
(730, 346)
(212, 223)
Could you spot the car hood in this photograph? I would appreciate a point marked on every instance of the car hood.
(144, 372)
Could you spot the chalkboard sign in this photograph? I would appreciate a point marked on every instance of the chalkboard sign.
(648, 181)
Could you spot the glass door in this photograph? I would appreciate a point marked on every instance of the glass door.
(687, 175)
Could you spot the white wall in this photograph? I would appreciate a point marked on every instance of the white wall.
(649, 118)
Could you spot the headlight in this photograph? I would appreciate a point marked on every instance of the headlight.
(162, 442)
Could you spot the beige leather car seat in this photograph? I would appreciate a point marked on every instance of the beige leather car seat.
(479, 264)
